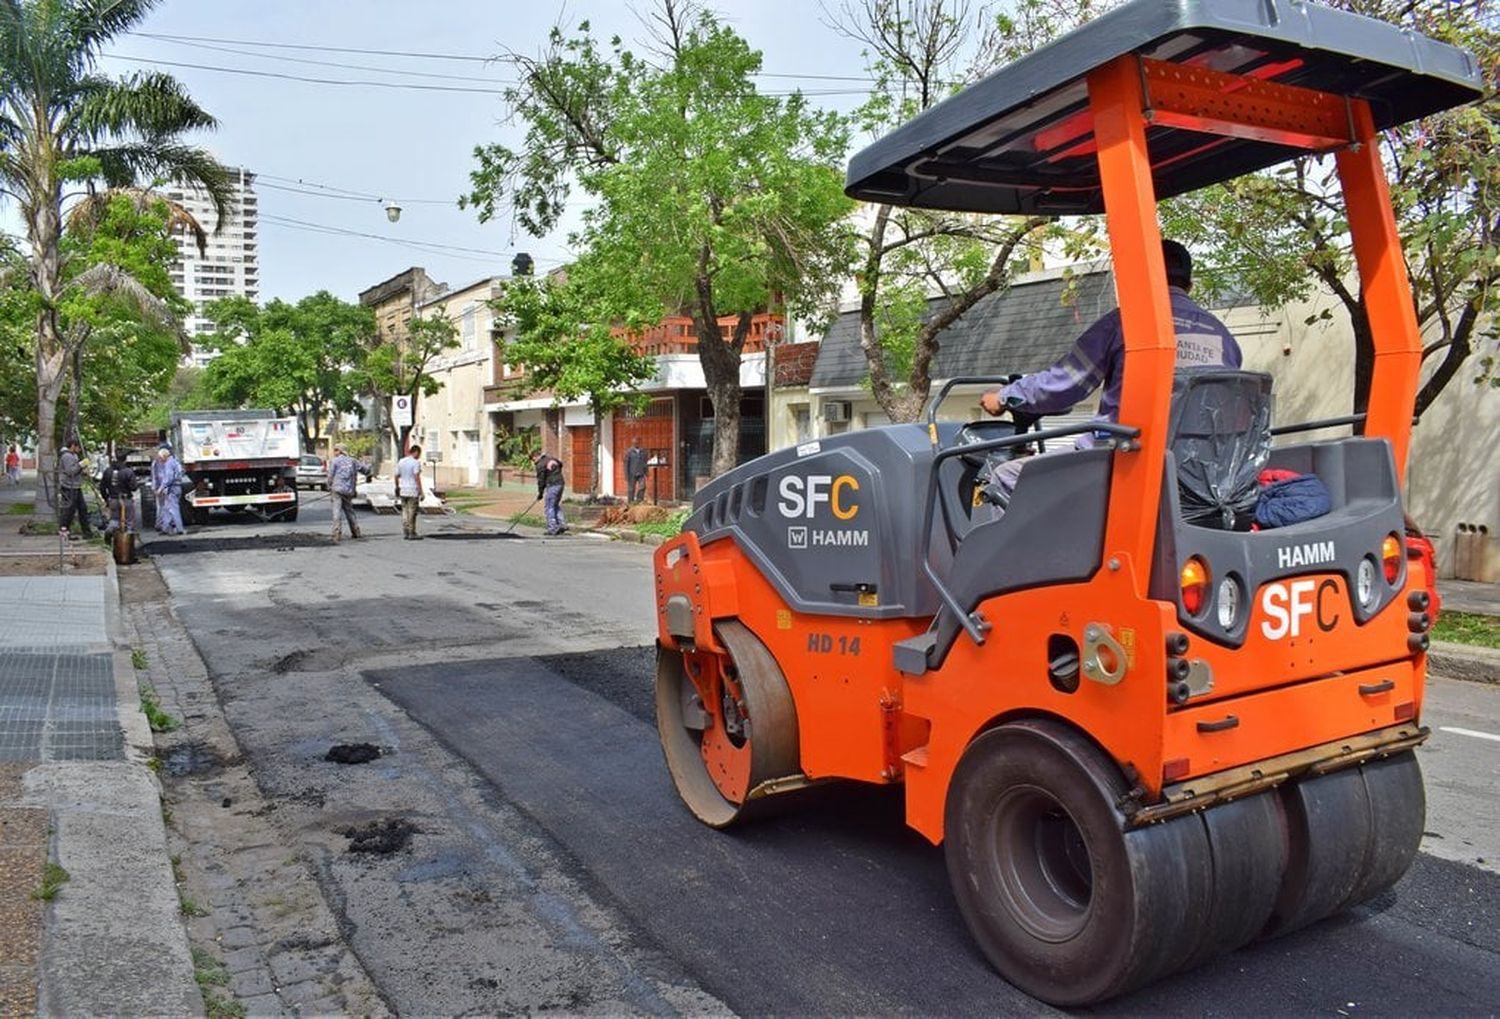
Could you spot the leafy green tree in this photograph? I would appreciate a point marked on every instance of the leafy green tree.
(188, 390)
(1279, 234)
(61, 120)
(399, 367)
(305, 358)
(564, 338)
(120, 314)
(707, 197)
(117, 315)
(919, 52)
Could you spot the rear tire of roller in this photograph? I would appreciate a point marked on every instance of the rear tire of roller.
(1328, 825)
(1064, 903)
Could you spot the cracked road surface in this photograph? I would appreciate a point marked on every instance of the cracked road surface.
(550, 866)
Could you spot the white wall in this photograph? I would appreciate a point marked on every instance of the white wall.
(1453, 470)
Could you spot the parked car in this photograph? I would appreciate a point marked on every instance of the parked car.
(312, 472)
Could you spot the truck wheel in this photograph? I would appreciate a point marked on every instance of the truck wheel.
(1063, 901)
(727, 725)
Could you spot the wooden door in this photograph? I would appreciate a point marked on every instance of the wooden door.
(654, 427)
(580, 465)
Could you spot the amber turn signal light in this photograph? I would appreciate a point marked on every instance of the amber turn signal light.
(1194, 582)
(1390, 557)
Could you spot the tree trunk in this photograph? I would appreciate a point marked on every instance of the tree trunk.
(44, 228)
(1460, 346)
(75, 394)
(1364, 360)
(721, 374)
(598, 447)
(905, 404)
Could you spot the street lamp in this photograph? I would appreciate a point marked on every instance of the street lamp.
(392, 211)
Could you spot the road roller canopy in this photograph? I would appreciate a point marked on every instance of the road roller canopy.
(1230, 86)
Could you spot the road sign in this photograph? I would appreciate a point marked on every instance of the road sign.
(401, 411)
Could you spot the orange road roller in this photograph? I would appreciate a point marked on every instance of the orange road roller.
(1143, 734)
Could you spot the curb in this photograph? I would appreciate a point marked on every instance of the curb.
(1464, 661)
(104, 952)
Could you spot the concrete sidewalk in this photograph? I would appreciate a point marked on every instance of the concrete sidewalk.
(89, 913)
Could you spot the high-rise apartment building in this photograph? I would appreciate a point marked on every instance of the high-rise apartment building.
(229, 264)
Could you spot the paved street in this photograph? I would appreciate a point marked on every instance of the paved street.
(550, 866)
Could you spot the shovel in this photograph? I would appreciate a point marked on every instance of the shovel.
(524, 512)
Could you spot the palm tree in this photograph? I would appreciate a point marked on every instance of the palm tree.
(62, 122)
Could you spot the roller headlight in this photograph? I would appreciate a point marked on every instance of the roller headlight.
(1228, 603)
(1364, 583)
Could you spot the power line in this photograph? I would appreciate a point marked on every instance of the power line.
(434, 246)
(332, 63)
(327, 191)
(434, 56)
(297, 77)
(411, 86)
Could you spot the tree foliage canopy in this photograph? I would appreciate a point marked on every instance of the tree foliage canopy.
(566, 341)
(116, 309)
(63, 121)
(709, 197)
(304, 358)
(1277, 234)
(921, 270)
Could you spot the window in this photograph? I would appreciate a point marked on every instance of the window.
(801, 422)
(468, 330)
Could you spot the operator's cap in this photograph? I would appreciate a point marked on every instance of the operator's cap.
(338, 447)
(166, 446)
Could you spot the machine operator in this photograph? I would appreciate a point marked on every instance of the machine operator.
(1097, 358)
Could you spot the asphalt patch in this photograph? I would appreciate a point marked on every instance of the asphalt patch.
(251, 543)
(380, 838)
(352, 753)
(308, 660)
(626, 677)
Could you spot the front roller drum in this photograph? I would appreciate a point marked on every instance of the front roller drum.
(1065, 902)
(728, 725)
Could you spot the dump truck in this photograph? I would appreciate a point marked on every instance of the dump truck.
(1143, 734)
(238, 460)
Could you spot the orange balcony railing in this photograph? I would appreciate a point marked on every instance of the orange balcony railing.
(676, 335)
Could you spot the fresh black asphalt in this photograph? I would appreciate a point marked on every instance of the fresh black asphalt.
(830, 905)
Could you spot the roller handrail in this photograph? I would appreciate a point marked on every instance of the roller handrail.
(1313, 426)
(962, 380)
(936, 493)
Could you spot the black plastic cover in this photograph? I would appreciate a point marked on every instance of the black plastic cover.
(981, 150)
(1220, 438)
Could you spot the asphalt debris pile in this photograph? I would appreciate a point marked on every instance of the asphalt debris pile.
(380, 838)
(352, 753)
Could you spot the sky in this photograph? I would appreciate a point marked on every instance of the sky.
(353, 146)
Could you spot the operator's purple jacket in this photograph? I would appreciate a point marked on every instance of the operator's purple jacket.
(1098, 357)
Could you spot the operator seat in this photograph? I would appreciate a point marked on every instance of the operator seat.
(1219, 437)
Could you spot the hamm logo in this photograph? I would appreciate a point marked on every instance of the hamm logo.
(1312, 554)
